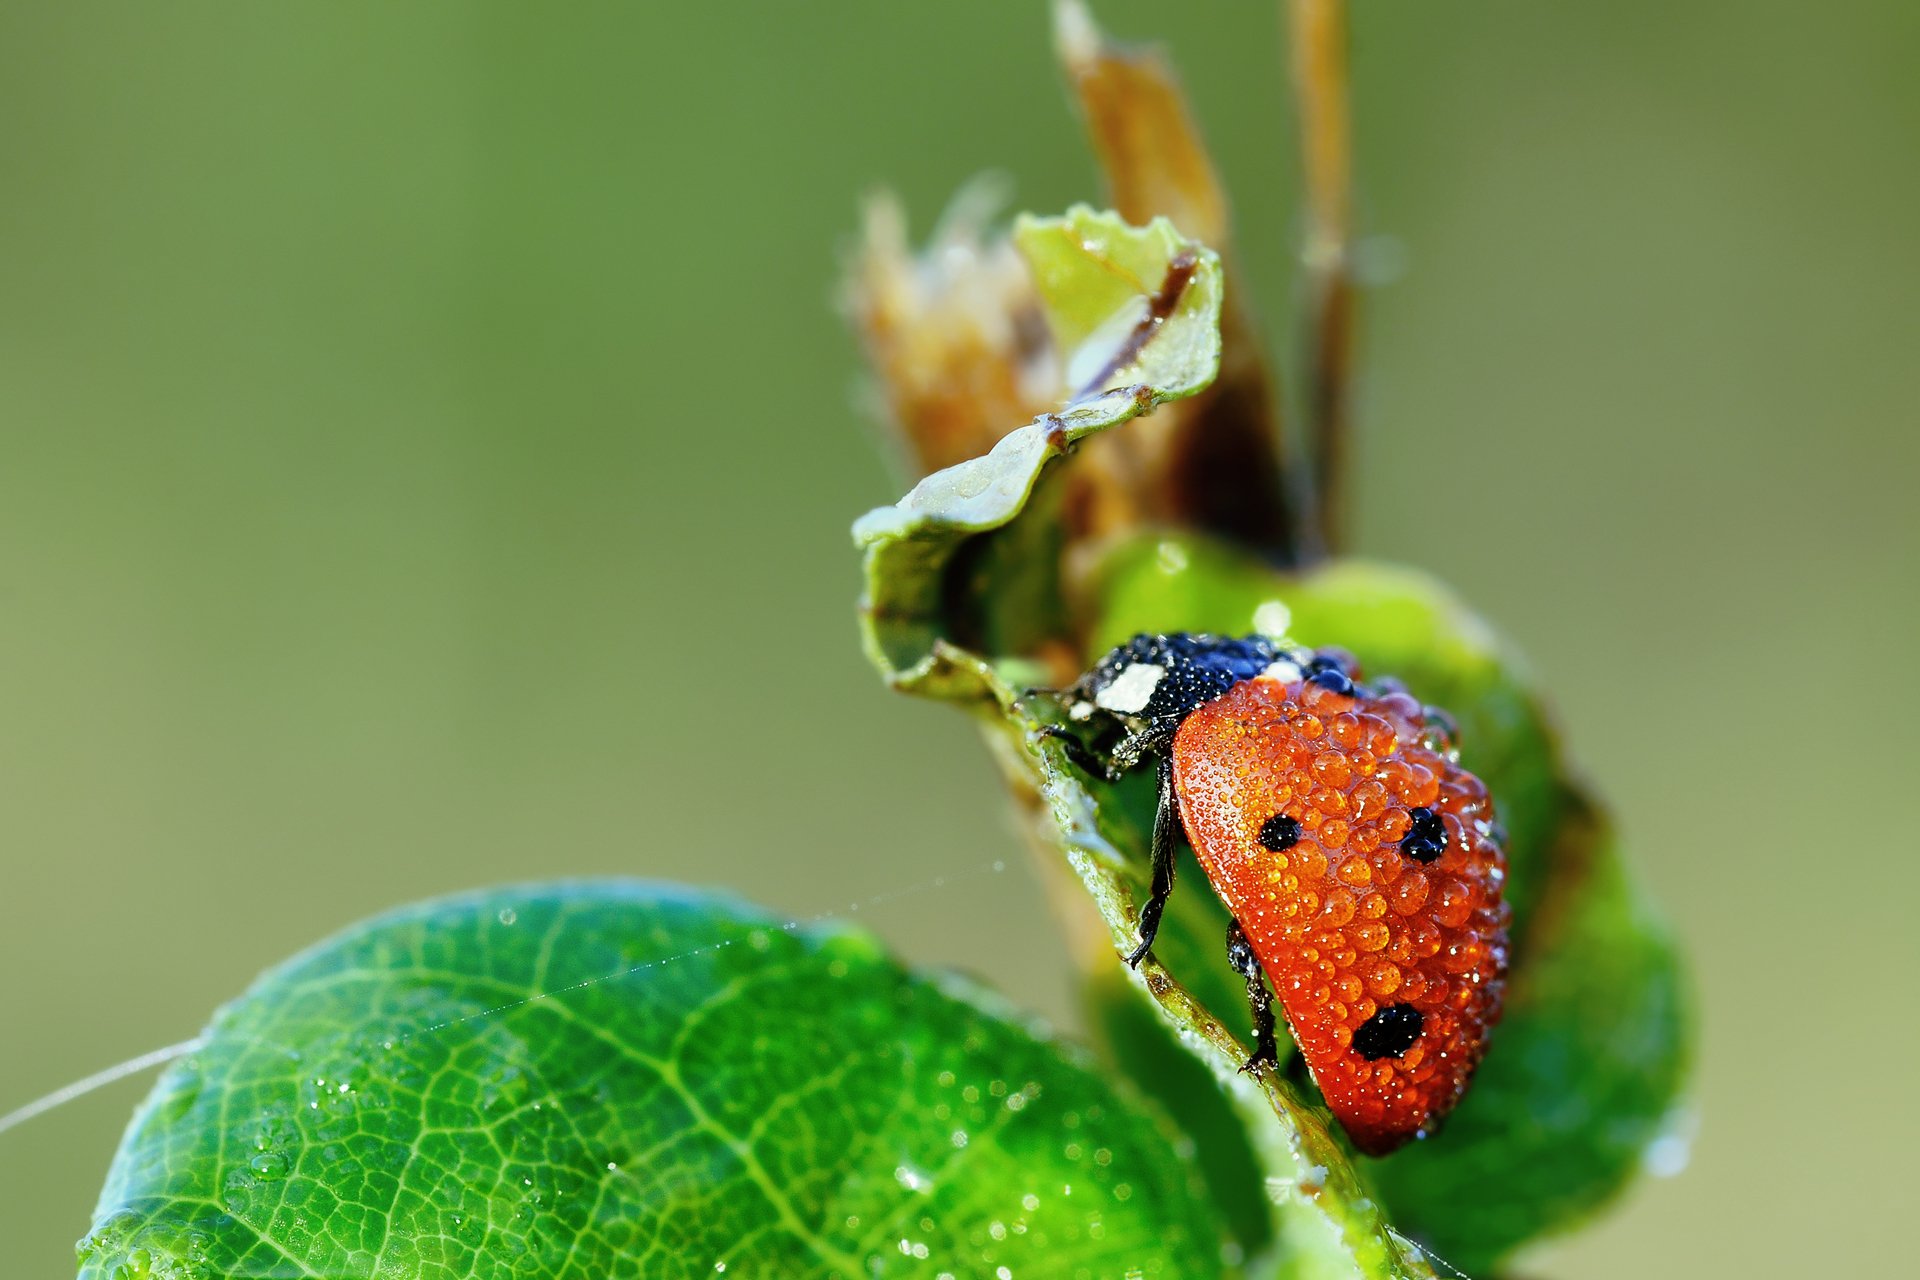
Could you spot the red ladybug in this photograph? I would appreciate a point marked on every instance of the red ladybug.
(1360, 863)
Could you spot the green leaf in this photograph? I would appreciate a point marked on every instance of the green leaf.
(1136, 312)
(1585, 1069)
(600, 1079)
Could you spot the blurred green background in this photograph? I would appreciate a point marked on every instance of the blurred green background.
(427, 447)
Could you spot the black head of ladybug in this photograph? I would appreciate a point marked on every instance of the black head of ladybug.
(1158, 676)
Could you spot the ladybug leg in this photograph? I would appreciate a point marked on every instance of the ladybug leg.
(1135, 747)
(1127, 755)
(1245, 963)
(1164, 816)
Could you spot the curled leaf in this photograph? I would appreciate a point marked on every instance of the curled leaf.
(1136, 310)
(960, 350)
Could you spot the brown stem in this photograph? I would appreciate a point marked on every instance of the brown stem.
(1319, 38)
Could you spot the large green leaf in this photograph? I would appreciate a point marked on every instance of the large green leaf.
(614, 1079)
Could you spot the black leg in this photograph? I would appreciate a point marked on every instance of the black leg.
(1247, 965)
(1164, 816)
(1135, 747)
(1125, 756)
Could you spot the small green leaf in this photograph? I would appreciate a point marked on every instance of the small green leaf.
(601, 1079)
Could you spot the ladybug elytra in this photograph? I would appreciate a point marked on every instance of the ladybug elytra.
(1360, 863)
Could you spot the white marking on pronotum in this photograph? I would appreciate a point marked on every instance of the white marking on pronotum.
(1132, 689)
(1081, 711)
(98, 1080)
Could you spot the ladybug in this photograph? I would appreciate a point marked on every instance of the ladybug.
(1360, 863)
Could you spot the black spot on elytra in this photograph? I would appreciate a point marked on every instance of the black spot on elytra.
(1426, 837)
(1280, 832)
(1389, 1033)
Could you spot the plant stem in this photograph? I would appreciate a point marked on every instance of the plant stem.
(1318, 30)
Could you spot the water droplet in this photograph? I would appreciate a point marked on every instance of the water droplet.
(269, 1166)
(508, 915)
(1667, 1155)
